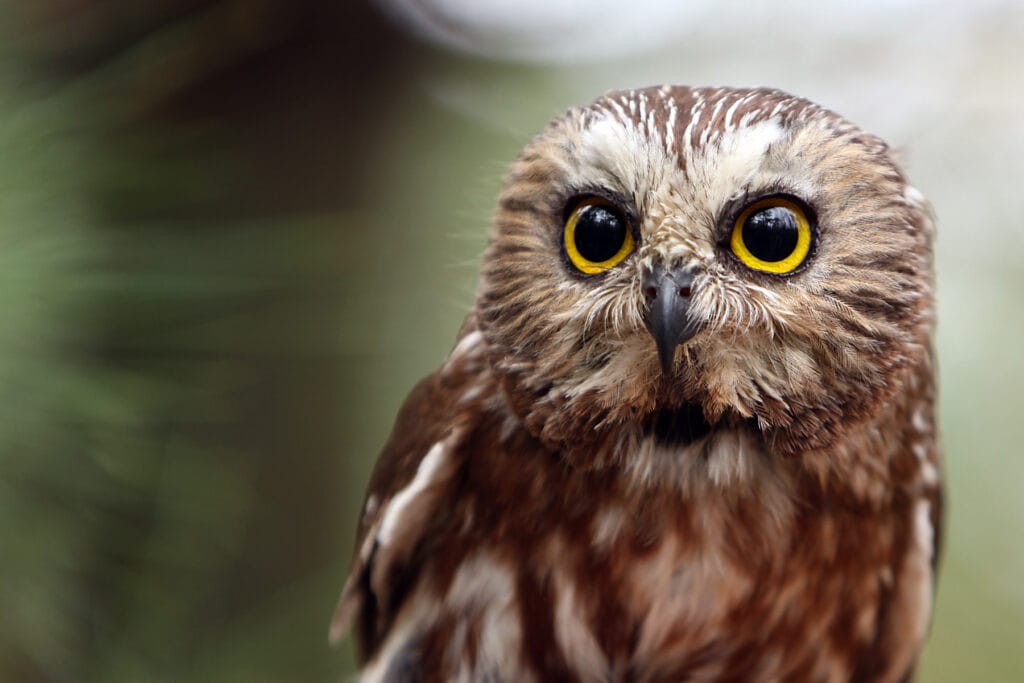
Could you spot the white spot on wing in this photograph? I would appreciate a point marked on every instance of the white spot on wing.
(918, 421)
(465, 345)
(924, 540)
(920, 451)
(929, 474)
(425, 475)
(924, 534)
(472, 393)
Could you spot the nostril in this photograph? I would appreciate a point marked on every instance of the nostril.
(684, 291)
(651, 292)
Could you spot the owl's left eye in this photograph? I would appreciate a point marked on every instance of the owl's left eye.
(772, 235)
(597, 236)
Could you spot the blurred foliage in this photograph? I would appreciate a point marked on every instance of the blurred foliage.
(234, 233)
(169, 459)
(54, 401)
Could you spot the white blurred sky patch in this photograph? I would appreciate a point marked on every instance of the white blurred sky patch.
(575, 31)
(547, 31)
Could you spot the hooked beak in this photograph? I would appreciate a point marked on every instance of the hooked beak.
(668, 304)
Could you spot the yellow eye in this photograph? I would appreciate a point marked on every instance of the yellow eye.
(597, 236)
(772, 235)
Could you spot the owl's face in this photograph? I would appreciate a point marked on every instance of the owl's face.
(728, 256)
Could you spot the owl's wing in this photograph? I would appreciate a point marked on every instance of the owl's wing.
(408, 486)
(908, 598)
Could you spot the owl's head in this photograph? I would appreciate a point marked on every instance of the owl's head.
(670, 260)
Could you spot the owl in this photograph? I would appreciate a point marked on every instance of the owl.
(687, 431)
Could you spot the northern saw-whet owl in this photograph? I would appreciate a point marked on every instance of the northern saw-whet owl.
(687, 431)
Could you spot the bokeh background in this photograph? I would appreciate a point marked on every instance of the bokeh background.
(234, 233)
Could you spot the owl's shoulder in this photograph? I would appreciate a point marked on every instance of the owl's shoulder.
(407, 487)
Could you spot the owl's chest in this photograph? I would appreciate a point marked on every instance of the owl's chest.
(794, 600)
(721, 593)
(615, 585)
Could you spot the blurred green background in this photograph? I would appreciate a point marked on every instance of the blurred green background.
(233, 234)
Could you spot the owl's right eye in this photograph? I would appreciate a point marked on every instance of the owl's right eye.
(597, 236)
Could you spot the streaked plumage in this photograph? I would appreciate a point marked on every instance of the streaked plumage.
(760, 503)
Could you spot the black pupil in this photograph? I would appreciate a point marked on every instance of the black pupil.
(600, 233)
(771, 233)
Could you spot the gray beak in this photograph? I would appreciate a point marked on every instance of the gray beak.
(668, 304)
